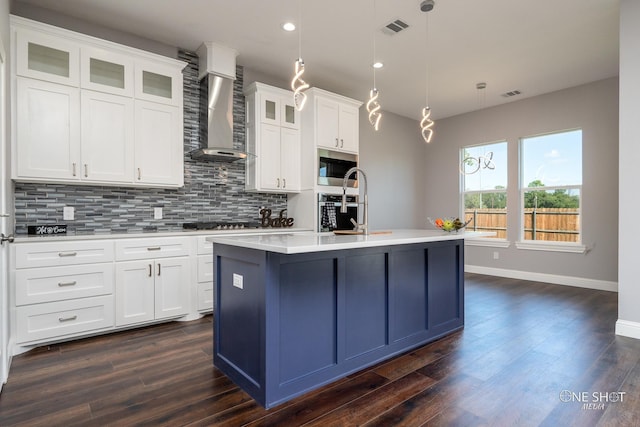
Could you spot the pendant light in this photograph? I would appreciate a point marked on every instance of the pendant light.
(426, 124)
(373, 106)
(297, 84)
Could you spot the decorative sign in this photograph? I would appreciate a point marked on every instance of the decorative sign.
(42, 230)
(280, 221)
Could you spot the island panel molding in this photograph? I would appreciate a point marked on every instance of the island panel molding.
(286, 324)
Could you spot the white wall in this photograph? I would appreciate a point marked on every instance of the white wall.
(629, 234)
(592, 107)
(393, 158)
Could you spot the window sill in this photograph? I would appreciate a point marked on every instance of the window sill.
(552, 247)
(492, 243)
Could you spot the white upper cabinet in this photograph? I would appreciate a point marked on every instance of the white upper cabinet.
(158, 83)
(273, 135)
(94, 112)
(47, 130)
(336, 123)
(106, 71)
(157, 158)
(41, 56)
(107, 137)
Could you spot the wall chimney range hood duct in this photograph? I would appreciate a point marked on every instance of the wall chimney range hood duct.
(217, 64)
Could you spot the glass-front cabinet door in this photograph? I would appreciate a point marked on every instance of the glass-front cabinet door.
(105, 71)
(290, 117)
(47, 58)
(158, 84)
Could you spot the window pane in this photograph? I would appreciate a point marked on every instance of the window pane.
(488, 211)
(484, 167)
(552, 160)
(552, 215)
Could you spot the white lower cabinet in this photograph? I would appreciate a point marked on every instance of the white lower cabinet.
(42, 322)
(151, 290)
(204, 274)
(153, 279)
(62, 289)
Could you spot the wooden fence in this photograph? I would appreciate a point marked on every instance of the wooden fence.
(547, 224)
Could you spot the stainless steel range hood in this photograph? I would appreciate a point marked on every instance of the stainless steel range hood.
(217, 64)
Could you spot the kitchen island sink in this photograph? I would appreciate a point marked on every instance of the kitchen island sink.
(295, 312)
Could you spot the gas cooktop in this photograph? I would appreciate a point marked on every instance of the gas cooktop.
(211, 225)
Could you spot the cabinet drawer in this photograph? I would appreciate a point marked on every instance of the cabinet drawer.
(62, 283)
(203, 247)
(131, 249)
(41, 322)
(205, 268)
(205, 296)
(53, 254)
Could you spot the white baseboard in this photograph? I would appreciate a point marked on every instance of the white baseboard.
(629, 329)
(581, 282)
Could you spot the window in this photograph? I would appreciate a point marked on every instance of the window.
(551, 187)
(484, 181)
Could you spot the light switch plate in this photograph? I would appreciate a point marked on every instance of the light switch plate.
(237, 281)
(68, 213)
(157, 213)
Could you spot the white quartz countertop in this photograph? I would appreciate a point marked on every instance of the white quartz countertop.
(179, 233)
(317, 242)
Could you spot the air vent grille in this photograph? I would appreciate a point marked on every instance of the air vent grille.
(511, 93)
(394, 27)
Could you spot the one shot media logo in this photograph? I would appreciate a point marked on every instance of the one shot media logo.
(594, 399)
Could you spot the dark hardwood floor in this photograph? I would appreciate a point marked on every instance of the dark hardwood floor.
(524, 343)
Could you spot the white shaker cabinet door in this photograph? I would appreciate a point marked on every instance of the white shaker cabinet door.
(172, 287)
(326, 121)
(107, 137)
(47, 134)
(349, 129)
(158, 146)
(290, 159)
(270, 178)
(134, 294)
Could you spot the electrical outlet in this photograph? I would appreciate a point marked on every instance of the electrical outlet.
(496, 255)
(237, 281)
(68, 213)
(157, 213)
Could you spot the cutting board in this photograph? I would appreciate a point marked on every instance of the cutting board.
(338, 232)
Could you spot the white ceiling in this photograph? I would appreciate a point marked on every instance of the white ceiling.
(533, 46)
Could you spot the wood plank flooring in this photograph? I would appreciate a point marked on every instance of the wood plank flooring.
(523, 344)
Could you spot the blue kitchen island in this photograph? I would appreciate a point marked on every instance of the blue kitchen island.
(293, 312)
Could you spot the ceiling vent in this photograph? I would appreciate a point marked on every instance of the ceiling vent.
(394, 27)
(511, 93)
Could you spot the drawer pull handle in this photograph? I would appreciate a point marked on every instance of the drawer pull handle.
(61, 284)
(67, 319)
(154, 248)
(86, 170)
(150, 270)
(63, 254)
(159, 269)
(74, 169)
(139, 174)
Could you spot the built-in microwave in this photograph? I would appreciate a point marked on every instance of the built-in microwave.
(329, 216)
(332, 166)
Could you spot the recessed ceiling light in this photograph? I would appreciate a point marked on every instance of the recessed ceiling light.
(289, 26)
(378, 65)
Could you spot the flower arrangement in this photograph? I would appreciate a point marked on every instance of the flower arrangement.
(449, 224)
